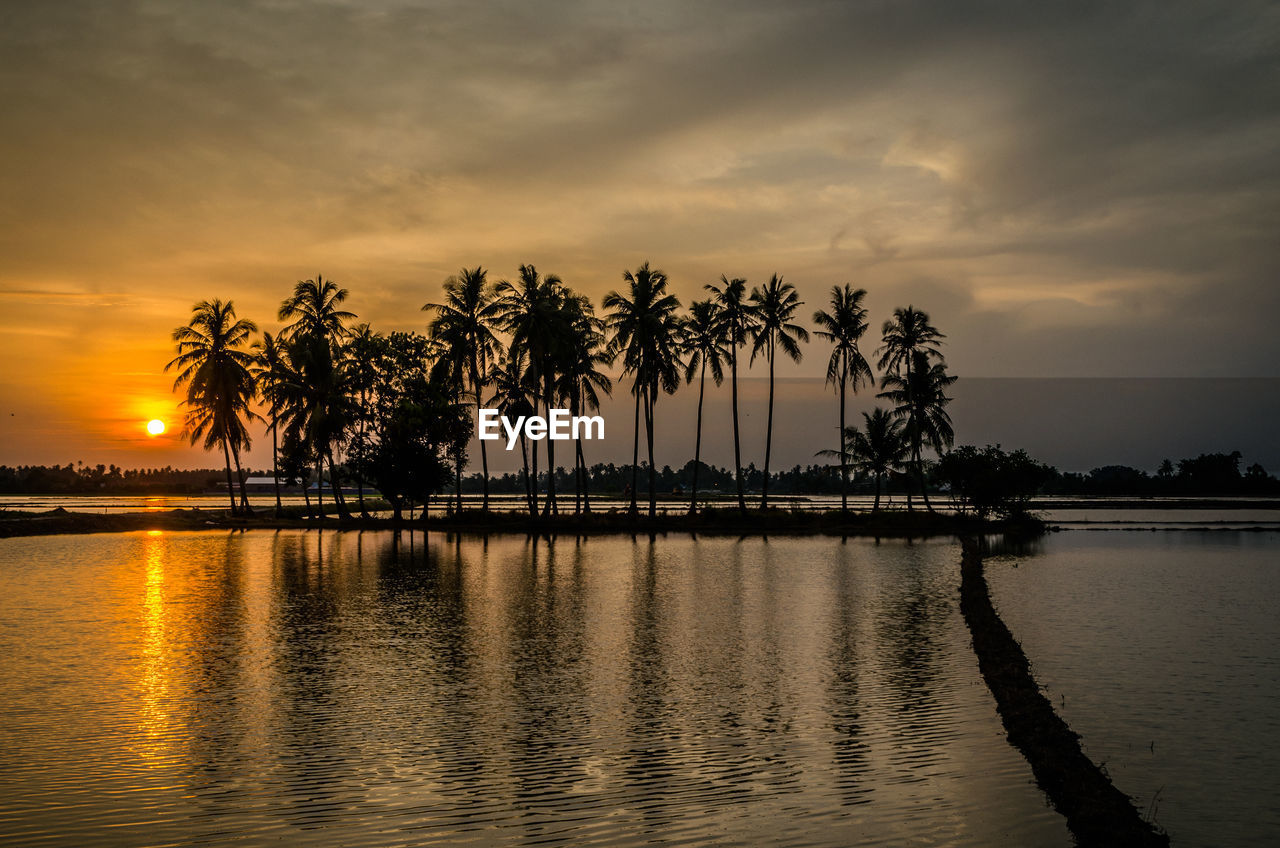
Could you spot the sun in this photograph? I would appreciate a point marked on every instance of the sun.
(155, 426)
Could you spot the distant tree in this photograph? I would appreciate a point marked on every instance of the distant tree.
(989, 480)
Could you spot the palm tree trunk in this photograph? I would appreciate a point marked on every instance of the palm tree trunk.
(533, 497)
(551, 507)
(484, 450)
(648, 423)
(697, 441)
(586, 479)
(844, 453)
(635, 453)
(244, 495)
(924, 489)
(320, 487)
(737, 443)
(275, 466)
(306, 496)
(338, 499)
(875, 507)
(231, 489)
(768, 437)
(528, 491)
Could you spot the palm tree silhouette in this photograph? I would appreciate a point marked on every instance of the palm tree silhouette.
(645, 331)
(214, 366)
(774, 306)
(921, 401)
(906, 334)
(271, 377)
(364, 353)
(532, 311)
(510, 380)
(315, 336)
(465, 322)
(582, 379)
(738, 319)
(845, 325)
(877, 450)
(704, 340)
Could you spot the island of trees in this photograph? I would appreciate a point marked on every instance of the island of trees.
(348, 406)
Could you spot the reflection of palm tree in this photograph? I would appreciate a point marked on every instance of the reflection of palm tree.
(646, 331)
(775, 305)
(844, 325)
(215, 368)
(704, 340)
(906, 334)
(737, 318)
(877, 450)
(465, 322)
(921, 402)
(271, 371)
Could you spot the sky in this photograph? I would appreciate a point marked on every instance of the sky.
(1070, 190)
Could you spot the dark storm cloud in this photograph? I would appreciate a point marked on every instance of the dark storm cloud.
(1073, 175)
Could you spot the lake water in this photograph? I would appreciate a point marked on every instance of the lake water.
(349, 688)
(1162, 650)
(367, 689)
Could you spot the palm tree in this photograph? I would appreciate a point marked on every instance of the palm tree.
(705, 341)
(271, 372)
(363, 354)
(774, 306)
(511, 399)
(845, 325)
(465, 322)
(582, 379)
(877, 450)
(906, 334)
(738, 319)
(532, 311)
(215, 368)
(645, 329)
(319, 325)
(921, 401)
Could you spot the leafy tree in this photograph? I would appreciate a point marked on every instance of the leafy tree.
(991, 481)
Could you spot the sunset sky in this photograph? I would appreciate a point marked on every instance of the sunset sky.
(1086, 191)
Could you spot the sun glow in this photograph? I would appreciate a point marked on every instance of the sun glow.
(155, 426)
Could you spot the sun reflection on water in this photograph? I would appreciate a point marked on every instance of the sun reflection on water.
(155, 722)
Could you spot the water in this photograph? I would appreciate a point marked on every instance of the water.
(1163, 651)
(343, 688)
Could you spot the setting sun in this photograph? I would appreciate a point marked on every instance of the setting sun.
(155, 426)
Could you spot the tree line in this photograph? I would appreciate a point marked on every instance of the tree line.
(395, 410)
